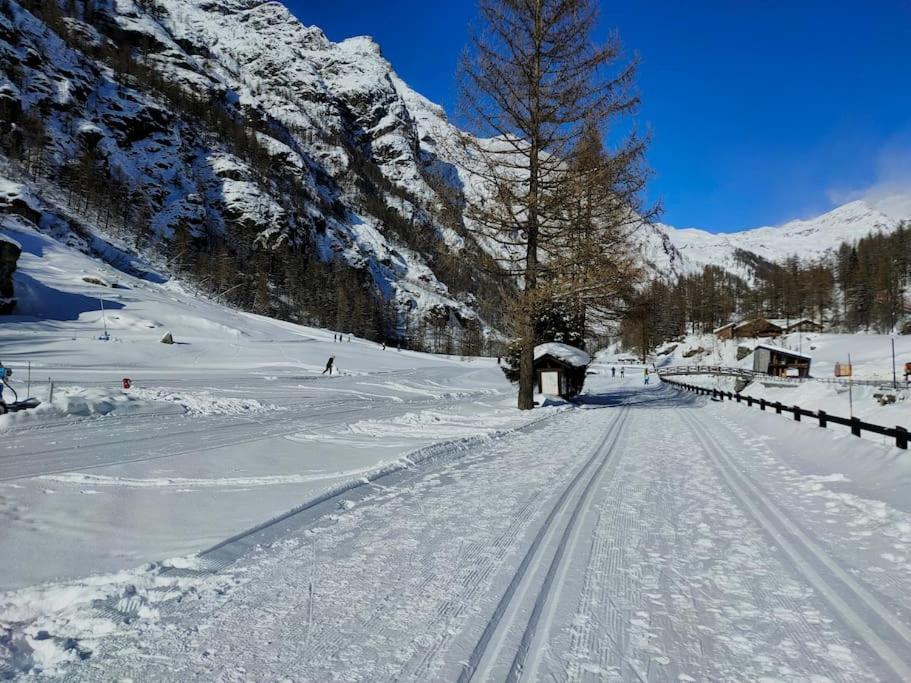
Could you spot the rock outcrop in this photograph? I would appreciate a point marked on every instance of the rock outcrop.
(9, 256)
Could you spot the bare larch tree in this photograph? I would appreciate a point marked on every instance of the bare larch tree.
(532, 81)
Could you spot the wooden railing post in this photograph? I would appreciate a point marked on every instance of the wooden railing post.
(901, 437)
(778, 407)
(855, 426)
(821, 415)
(762, 404)
(796, 413)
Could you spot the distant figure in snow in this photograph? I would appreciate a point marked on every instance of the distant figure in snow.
(4, 374)
(384, 346)
(645, 374)
(622, 369)
(329, 365)
(613, 371)
(499, 358)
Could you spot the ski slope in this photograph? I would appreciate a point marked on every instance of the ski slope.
(665, 538)
(239, 515)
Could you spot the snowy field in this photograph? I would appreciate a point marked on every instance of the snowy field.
(237, 515)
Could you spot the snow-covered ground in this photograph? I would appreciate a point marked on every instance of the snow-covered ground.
(646, 534)
(238, 515)
(870, 354)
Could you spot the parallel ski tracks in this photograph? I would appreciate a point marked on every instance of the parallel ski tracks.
(552, 541)
(859, 609)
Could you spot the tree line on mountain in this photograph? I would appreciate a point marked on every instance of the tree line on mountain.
(864, 286)
(223, 258)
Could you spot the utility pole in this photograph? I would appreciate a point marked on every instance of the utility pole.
(892, 339)
(851, 387)
(104, 319)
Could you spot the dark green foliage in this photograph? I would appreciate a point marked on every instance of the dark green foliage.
(863, 287)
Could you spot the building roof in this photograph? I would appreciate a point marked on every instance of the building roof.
(723, 327)
(801, 321)
(784, 352)
(752, 321)
(563, 352)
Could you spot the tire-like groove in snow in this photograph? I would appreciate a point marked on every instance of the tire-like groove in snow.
(424, 455)
(548, 596)
(867, 617)
(220, 556)
(496, 624)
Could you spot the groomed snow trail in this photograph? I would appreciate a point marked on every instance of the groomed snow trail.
(641, 537)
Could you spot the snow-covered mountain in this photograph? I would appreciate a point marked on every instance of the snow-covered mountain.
(234, 122)
(679, 251)
(238, 123)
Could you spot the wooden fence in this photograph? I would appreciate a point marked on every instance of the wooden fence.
(899, 433)
(724, 371)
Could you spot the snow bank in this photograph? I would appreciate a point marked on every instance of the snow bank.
(75, 401)
(204, 403)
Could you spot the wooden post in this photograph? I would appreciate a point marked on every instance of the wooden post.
(822, 418)
(901, 437)
(796, 414)
(855, 426)
(778, 407)
(738, 398)
(762, 404)
(749, 401)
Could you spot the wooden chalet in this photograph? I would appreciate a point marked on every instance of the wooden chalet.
(757, 327)
(804, 325)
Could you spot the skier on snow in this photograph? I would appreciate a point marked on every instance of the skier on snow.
(5, 373)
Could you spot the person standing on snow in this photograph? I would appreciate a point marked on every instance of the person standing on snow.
(613, 371)
(622, 370)
(4, 374)
(645, 374)
(329, 365)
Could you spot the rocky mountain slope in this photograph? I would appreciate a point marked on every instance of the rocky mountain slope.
(277, 165)
(229, 122)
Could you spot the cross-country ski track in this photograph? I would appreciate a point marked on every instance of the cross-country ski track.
(644, 535)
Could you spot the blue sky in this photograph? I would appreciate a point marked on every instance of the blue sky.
(761, 110)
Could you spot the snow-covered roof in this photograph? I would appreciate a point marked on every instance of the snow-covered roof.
(778, 349)
(770, 321)
(564, 352)
(723, 327)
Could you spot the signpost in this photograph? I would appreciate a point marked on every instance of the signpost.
(850, 387)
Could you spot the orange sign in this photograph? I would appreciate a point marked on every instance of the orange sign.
(843, 370)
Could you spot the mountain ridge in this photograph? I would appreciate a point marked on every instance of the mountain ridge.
(323, 148)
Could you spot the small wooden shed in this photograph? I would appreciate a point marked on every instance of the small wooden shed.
(778, 362)
(560, 369)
